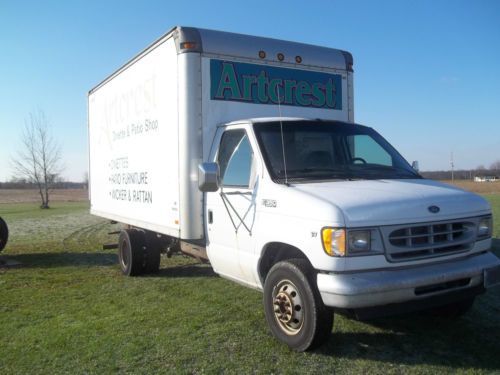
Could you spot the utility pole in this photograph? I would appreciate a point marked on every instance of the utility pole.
(452, 167)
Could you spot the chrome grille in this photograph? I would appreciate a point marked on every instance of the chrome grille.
(418, 241)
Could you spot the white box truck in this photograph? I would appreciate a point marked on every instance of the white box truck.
(242, 151)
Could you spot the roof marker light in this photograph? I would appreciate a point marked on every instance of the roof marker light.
(188, 45)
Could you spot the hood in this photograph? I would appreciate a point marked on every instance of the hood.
(387, 202)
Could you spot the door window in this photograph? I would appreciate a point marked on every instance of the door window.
(235, 158)
(367, 149)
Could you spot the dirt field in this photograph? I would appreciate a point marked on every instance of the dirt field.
(32, 195)
(477, 187)
(81, 195)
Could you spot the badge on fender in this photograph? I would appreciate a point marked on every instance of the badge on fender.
(269, 203)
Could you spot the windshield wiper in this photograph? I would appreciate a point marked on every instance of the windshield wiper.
(315, 169)
(315, 173)
(391, 171)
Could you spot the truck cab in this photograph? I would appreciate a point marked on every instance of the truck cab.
(335, 201)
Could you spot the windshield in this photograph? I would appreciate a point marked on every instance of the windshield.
(328, 150)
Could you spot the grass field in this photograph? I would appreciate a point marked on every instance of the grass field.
(67, 309)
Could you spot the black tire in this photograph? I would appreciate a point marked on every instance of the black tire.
(293, 306)
(453, 310)
(4, 234)
(153, 253)
(131, 252)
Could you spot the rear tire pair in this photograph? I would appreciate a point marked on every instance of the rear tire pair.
(293, 306)
(138, 253)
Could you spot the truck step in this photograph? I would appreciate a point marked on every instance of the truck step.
(109, 246)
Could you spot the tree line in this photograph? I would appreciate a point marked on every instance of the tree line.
(24, 184)
(465, 174)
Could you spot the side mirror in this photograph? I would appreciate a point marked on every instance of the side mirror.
(208, 177)
(414, 165)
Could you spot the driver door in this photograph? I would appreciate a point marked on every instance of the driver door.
(231, 211)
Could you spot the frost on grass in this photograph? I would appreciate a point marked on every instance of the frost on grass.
(76, 231)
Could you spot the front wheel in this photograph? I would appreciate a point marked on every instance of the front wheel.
(293, 307)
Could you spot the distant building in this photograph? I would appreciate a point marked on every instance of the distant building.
(486, 178)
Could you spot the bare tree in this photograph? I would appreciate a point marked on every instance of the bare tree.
(495, 166)
(39, 159)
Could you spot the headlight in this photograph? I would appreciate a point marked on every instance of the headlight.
(341, 242)
(359, 241)
(484, 227)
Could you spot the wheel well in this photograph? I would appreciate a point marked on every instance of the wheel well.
(275, 252)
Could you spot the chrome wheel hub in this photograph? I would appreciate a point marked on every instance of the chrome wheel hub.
(288, 309)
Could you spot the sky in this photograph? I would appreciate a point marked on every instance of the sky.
(427, 73)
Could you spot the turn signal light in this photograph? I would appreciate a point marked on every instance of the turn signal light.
(334, 242)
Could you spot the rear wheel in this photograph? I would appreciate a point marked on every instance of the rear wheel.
(4, 234)
(131, 252)
(293, 307)
(153, 253)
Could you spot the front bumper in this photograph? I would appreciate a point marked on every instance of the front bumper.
(378, 288)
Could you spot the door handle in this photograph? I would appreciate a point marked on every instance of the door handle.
(210, 217)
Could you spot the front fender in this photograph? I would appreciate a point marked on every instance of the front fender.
(296, 232)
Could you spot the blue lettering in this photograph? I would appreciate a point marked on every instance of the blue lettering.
(262, 84)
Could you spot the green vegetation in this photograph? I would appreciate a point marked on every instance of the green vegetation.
(494, 200)
(67, 309)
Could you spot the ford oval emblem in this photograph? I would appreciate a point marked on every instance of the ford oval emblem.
(433, 209)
